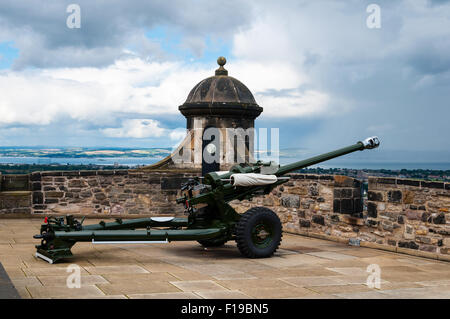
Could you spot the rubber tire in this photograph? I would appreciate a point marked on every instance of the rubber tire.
(216, 242)
(244, 232)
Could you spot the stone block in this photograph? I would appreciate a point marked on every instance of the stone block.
(77, 183)
(337, 192)
(336, 206)
(428, 248)
(408, 182)
(347, 206)
(304, 223)
(386, 180)
(371, 222)
(318, 219)
(35, 177)
(438, 185)
(408, 197)
(409, 232)
(438, 218)
(375, 196)
(172, 182)
(38, 198)
(290, 201)
(343, 181)
(394, 196)
(105, 173)
(408, 244)
(414, 215)
(54, 194)
(297, 190)
(313, 190)
(372, 210)
(351, 220)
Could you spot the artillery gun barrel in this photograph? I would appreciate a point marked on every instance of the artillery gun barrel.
(368, 143)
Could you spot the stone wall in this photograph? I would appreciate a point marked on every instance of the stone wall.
(410, 214)
(402, 215)
(119, 192)
(315, 204)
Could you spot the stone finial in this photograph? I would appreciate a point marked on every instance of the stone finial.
(221, 61)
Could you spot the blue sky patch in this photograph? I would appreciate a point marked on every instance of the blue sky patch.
(171, 42)
(7, 54)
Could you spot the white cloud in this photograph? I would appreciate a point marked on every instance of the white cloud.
(136, 128)
(298, 104)
(135, 86)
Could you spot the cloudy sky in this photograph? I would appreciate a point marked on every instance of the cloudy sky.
(323, 77)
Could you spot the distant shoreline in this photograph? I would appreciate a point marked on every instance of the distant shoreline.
(360, 173)
(139, 161)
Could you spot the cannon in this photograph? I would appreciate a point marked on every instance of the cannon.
(210, 218)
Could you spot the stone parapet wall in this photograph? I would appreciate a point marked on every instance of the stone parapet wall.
(321, 204)
(120, 192)
(410, 214)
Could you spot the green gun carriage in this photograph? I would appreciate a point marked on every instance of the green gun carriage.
(210, 219)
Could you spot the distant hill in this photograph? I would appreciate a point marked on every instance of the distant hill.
(83, 152)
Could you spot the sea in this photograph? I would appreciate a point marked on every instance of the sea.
(139, 161)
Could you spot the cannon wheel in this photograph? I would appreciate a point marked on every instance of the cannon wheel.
(215, 242)
(258, 233)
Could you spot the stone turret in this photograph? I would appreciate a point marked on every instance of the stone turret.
(217, 103)
(221, 102)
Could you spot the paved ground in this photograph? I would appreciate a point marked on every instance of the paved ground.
(302, 268)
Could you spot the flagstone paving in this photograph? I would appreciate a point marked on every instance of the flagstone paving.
(302, 268)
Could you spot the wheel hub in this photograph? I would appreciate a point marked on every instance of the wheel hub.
(262, 234)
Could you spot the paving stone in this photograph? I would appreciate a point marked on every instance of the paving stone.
(146, 277)
(353, 271)
(242, 276)
(415, 261)
(23, 293)
(431, 283)
(336, 289)
(422, 293)
(7, 289)
(161, 267)
(267, 293)
(64, 292)
(86, 280)
(127, 288)
(25, 282)
(290, 261)
(50, 271)
(197, 285)
(190, 275)
(331, 255)
(363, 295)
(125, 269)
(313, 281)
(254, 283)
(213, 294)
(357, 279)
(165, 295)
